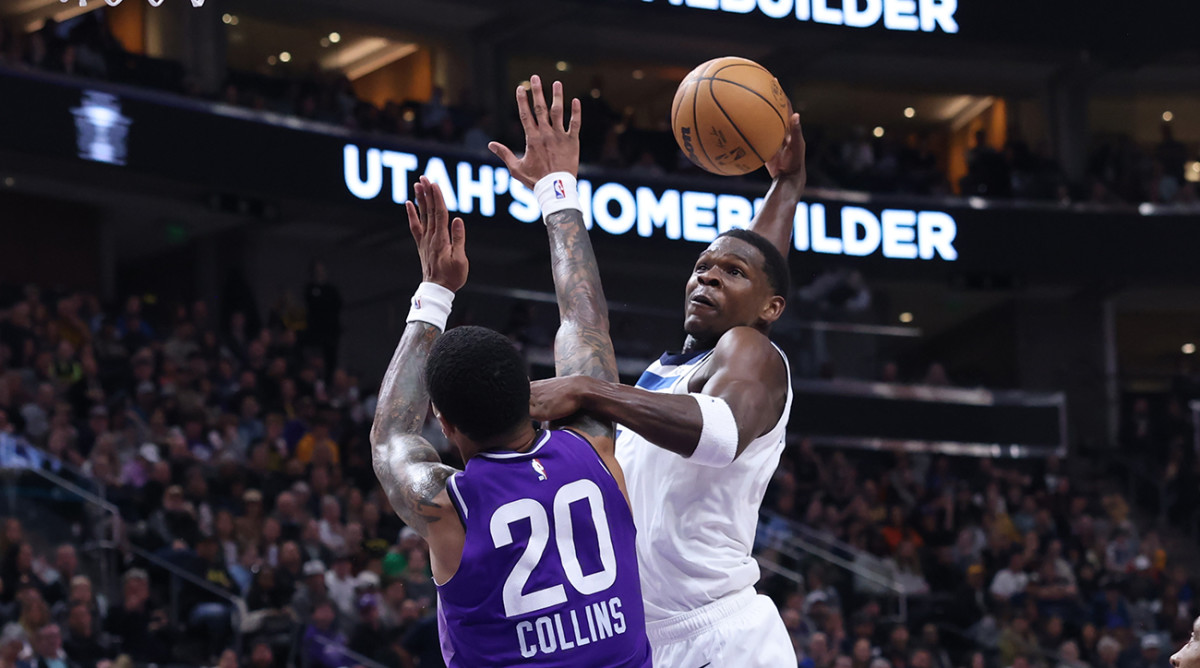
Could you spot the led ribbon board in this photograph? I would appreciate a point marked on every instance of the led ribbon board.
(901, 15)
(623, 209)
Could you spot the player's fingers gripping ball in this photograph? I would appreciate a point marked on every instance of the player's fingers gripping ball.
(730, 116)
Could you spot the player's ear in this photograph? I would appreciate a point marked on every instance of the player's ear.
(447, 428)
(772, 309)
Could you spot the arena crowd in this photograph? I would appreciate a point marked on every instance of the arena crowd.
(240, 456)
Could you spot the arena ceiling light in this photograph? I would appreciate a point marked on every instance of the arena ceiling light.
(1189, 349)
(360, 57)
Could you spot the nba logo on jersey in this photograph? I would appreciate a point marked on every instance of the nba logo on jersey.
(560, 191)
(541, 470)
(416, 302)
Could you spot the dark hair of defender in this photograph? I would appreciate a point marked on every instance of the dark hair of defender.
(478, 382)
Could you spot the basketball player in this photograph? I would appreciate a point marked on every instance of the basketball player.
(533, 545)
(717, 412)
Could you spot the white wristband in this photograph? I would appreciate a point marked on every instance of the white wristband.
(719, 435)
(431, 303)
(556, 192)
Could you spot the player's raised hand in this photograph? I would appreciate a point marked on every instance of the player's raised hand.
(549, 145)
(440, 242)
(789, 162)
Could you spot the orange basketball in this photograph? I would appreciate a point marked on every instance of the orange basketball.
(730, 116)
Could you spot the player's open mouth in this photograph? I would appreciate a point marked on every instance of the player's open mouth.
(701, 300)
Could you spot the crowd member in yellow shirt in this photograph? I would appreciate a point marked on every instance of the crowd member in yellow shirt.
(317, 446)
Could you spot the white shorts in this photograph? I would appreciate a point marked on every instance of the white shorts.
(742, 630)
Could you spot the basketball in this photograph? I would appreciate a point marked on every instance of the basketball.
(730, 116)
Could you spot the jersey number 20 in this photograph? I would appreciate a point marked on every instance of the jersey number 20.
(517, 603)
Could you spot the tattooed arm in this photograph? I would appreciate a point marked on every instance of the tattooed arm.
(407, 466)
(582, 345)
(410, 470)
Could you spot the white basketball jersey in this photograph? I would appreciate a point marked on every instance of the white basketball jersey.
(695, 524)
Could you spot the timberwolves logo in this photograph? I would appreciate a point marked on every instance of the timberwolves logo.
(101, 128)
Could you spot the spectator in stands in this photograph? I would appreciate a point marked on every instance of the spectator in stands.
(83, 644)
(368, 638)
(1056, 595)
(81, 593)
(17, 571)
(418, 579)
(175, 522)
(261, 656)
(323, 644)
(896, 649)
(1017, 640)
(1108, 650)
(818, 653)
(139, 626)
(1010, 583)
(331, 530)
(311, 591)
(13, 642)
(931, 642)
(340, 582)
(861, 654)
(898, 529)
(47, 650)
(1068, 656)
(1050, 635)
(907, 570)
(1152, 655)
(291, 565)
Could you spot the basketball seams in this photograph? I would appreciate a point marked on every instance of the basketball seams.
(718, 70)
(733, 124)
(696, 124)
(749, 90)
(743, 63)
(677, 109)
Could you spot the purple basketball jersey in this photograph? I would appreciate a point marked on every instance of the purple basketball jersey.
(549, 573)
